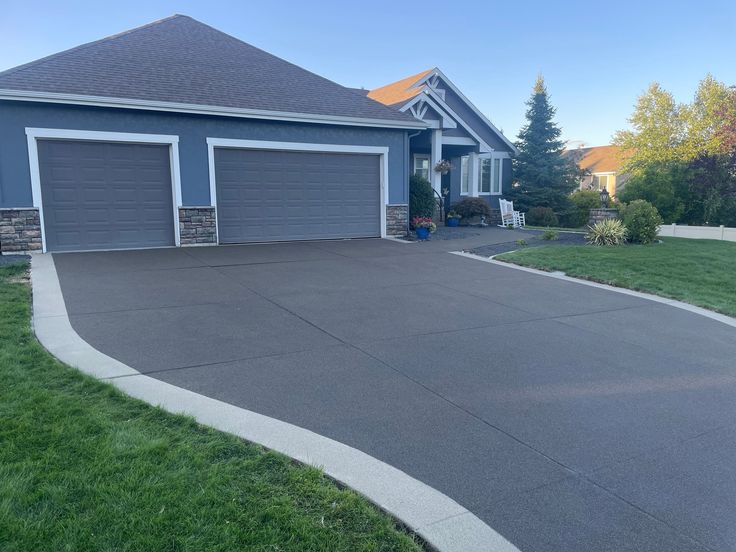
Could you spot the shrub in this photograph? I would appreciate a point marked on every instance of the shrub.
(664, 185)
(550, 235)
(583, 201)
(522, 243)
(642, 221)
(471, 207)
(607, 232)
(542, 216)
(421, 197)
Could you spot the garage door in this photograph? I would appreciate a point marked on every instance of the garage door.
(267, 195)
(105, 195)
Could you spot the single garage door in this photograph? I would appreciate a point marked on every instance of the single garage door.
(105, 195)
(266, 195)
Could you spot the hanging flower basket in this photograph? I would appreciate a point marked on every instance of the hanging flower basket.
(443, 166)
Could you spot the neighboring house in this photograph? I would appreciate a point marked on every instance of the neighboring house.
(603, 168)
(175, 133)
(457, 131)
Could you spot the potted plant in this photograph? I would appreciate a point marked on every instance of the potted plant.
(453, 219)
(443, 166)
(423, 227)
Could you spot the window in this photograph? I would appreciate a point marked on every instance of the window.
(464, 176)
(485, 176)
(421, 166)
(604, 182)
(496, 188)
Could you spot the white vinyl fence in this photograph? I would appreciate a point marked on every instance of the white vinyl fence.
(698, 232)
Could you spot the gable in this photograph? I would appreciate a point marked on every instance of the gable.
(434, 88)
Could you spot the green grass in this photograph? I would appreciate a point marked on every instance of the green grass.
(580, 230)
(83, 467)
(701, 272)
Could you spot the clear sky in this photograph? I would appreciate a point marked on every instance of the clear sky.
(595, 56)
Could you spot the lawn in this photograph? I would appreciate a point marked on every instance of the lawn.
(83, 467)
(701, 272)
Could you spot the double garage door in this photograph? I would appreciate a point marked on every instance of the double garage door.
(116, 195)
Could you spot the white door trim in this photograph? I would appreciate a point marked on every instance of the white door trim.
(381, 151)
(34, 134)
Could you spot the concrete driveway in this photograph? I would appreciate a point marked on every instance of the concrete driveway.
(568, 418)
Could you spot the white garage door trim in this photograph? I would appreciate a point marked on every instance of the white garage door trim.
(381, 151)
(34, 134)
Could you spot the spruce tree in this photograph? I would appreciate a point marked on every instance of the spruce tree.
(543, 177)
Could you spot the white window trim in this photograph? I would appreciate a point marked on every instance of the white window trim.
(35, 134)
(607, 174)
(467, 161)
(381, 151)
(500, 174)
(426, 156)
(480, 175)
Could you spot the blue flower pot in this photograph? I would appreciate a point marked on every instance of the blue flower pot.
(453, 222)
(422, 233)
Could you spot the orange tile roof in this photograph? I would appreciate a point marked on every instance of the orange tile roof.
(598, 159)
(399, 91)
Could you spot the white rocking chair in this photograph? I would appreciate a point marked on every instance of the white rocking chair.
(517, 219)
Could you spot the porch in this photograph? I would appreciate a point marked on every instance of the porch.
(475, 170)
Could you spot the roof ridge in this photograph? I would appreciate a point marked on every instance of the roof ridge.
(56, 55)
(300, 68)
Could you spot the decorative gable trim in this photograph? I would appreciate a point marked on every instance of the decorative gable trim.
(419, 105)
(432, 81)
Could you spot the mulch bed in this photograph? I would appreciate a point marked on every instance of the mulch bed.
(563, 238)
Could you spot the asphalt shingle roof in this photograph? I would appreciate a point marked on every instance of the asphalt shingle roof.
(399, 92)
(181, 60)
(597, 159)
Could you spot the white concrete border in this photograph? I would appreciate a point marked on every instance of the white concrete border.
(729, 321)
(435, 517)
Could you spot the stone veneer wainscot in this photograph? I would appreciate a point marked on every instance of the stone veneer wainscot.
(397, 220)
(20, 230)
(197, 225)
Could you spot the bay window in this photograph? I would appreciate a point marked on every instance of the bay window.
(464, 175)
(496, 185)
(485, 176)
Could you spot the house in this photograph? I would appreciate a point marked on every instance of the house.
(175, 133)
(602, 165)
(479, 153)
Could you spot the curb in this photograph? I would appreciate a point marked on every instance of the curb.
(718, 317)
(440, 521)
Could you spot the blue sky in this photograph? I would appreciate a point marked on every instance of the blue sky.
(595, 57)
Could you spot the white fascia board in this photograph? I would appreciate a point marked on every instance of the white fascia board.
(126, 103)
(447, 121)
(470, 104)
(459, 141)
(484, 147)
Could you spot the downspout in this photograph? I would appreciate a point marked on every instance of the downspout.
(406, 191)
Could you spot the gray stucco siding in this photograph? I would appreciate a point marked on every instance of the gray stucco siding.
(15, 187)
